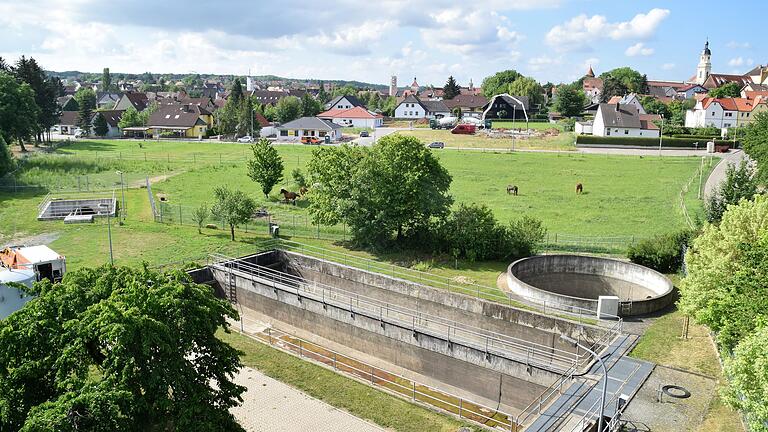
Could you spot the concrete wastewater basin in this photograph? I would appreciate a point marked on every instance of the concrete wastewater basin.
(579, 280)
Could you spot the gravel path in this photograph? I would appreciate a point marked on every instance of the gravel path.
(272, 406)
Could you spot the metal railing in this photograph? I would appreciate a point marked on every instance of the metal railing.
(523, 351)
(545, 398)
(393, 382)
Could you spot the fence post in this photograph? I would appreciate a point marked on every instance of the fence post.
(301, 354)
(181, 222)
(460, 406)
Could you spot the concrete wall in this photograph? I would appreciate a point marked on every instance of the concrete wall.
(456, 365)
(528, 277)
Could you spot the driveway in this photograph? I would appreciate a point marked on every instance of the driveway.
(375, 135)
(718, 174)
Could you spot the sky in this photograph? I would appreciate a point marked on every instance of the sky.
(550, 40)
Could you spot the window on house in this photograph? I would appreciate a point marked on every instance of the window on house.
(321, 134)
(727, 125)
(167, 116)
(626, 131)
(608, 132)
(177, 116)
(283, 133)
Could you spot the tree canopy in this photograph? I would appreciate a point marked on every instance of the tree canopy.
(729, 90)
(100, 126)
(329, 174)
(739, 184)
(18, 110)
(6, 159)
(748, 378)
(86, 100)
(612, 86)
(526, 86)
(118, 349)
(755, 143)
(288, 109)
(570, 101)
(499, 82)
(629, 78)
(723, 288)
(266, 166)
(451, 89)
(232, 208)
(46, 90)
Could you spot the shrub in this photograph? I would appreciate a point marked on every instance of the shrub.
(663, 253)
(645, 142)
(567, 124)
(522, 237)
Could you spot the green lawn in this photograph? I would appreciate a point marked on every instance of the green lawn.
(562, 142)
(508, 124)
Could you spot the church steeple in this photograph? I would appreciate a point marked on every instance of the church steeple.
(705, 64)
(590, 72)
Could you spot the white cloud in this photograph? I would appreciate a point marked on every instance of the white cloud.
(580, 31)
(638, 49)
(737, 61)
(543, 62)
(667, 66)
(738, 45)
(458, 30)
(352, 40)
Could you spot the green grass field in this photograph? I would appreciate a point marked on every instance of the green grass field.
(562, 142)
(508, 124)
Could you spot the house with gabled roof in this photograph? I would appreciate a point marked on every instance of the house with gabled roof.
(137, 100)
(113, 119)
(182, 121)
(412, 107)
(310, 127)
(470, 105)
(344, 102)
(506, 107)
(353, 117)
(725, 112)
(620, 120)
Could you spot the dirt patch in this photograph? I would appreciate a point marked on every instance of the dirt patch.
(463, 280)
(40, 239)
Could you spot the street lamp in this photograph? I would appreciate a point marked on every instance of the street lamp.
(661, 134)
(605, 376)
(122, 191)
(109, 231)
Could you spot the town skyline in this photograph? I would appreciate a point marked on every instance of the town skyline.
(549, 40)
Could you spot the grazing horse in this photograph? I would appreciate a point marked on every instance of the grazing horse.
(289, 196)
(303, 190)
(579, 188)
(512, 189)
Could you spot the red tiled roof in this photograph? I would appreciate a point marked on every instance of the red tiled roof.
(647, 121)
(356, 112)
(731, 104)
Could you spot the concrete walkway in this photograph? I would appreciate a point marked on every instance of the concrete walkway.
(272, 406)
(718, 174)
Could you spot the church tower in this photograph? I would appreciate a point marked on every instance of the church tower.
(705, 65)
(414, 86)
(393, 85)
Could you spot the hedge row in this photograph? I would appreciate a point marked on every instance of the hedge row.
(698, 137)
(646, 142)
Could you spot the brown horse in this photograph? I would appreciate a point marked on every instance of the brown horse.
(303, 191)
(512, 189)
(289, 196)
(579, 188)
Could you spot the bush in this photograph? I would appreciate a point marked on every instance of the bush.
(663, 253)
(168, 135)
(522, 237)
(568, 124)
(645, 142)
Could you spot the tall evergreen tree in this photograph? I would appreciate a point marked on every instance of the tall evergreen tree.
(46, 91)
(100, 127)
(106, 80)
(86, 99)
(236, 94)
(322, 95)
(451, 89)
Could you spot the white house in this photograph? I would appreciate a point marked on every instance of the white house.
(689, 91)
(583, 127)
(724, 112)
(630, 99)
(113, 119)
(311, 127)
(344, 102)
(618, 120)
(354, 117)
(414, 108)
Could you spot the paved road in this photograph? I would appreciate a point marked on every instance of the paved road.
(718, 174)
(375, 135)
(272, 406)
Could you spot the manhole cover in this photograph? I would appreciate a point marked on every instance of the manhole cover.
(676, 391)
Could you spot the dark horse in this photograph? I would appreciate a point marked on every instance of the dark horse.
(303, 190)
(579, 188)
(289, 196)
(512, 189)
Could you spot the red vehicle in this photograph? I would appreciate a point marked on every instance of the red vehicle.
(466, 129)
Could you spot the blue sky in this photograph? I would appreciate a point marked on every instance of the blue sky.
(551, 40)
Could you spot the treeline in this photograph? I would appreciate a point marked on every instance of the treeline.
(28, 106)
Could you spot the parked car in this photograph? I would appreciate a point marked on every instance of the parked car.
(467, 129)
(245, 139)
(310, 140)
(436, 145)
(79, 133)
(364, 134)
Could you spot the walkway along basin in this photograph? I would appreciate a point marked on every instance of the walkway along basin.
(578, 280)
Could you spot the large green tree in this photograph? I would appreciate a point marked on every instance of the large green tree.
(46, 90)
(288, 108)
(100, 126)
(739, 184)
(755, 144)
(655, 106)
(451, 89)
(86, 100)
(725, 286)
(729, 90)
(570, 101)
(330, 173)
(265, 166)
(236, 93)
(6, 159)
(529, 87)
(130, 118)
(310, 106)
(499, 82)
(631, 79)
(612, 86)
(232, 208)
(747, 372)
(18, 111)
(397, 189)
(118, 349)
(106, 80)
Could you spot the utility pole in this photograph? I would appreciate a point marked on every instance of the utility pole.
(122, 191)
(661, 134)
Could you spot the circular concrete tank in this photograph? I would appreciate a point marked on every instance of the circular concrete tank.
(578, 280)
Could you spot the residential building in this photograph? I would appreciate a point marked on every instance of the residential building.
(344, 103)
(68, 122)
(309, 126)
(67, 103)
(630, 99)
(617, 120)
(504, 106)
(725, 112)
(759, 75)
(689, 91)
(271, 97)
(355, 117)
(187, 121)
(113, 119)
(470, 105)
(107, 100)
(753, 87)
(414, 108)
(137, 100)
